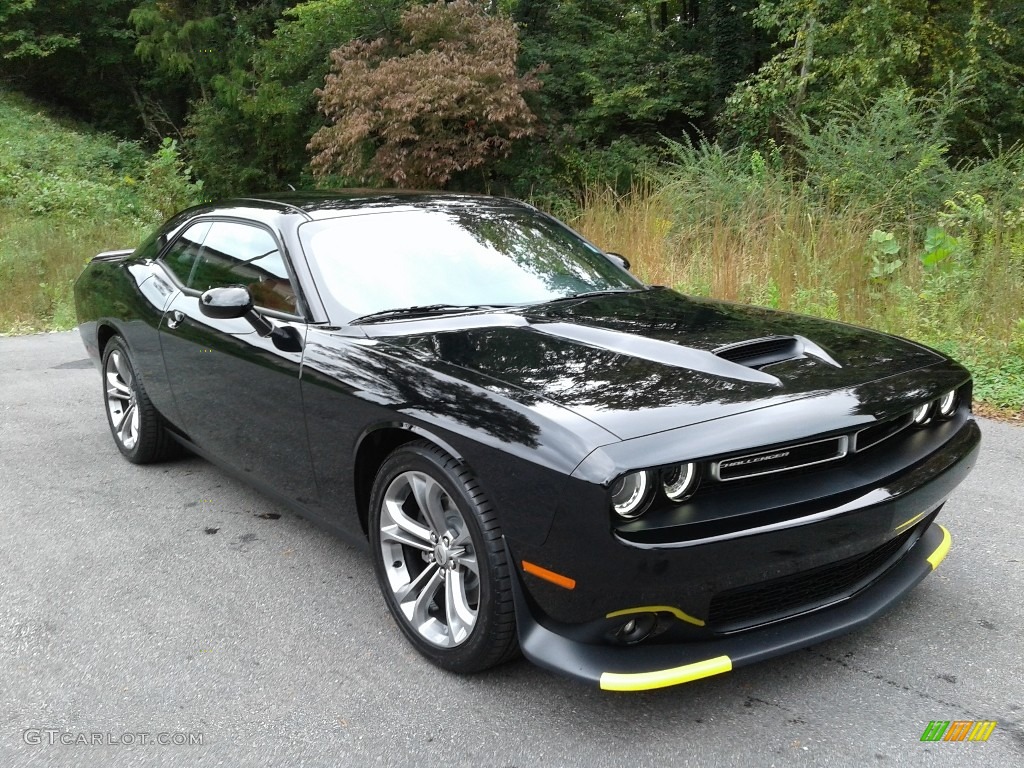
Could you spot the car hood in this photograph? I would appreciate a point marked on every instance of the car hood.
(639, 363)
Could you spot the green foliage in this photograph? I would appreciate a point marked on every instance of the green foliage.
(704, 179)
(882, 249)
(831, 51)
(939, 248)
(888, 153)
(40, 257)
(66, 194)
(609, 71)
(78, 54)
(251, 133)
(23, 36)
(47, 168)
(188, 39)
(168, 185)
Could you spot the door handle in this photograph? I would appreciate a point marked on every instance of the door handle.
(174, 320)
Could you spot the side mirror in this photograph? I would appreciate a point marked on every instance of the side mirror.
(226, 303)
(235, 301)
(618, 259)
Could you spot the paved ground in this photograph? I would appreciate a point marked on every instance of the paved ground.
(173, 600)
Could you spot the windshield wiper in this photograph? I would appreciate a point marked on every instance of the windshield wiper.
(589, 294)
(423, 309)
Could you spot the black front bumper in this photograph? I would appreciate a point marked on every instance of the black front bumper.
(642, 667)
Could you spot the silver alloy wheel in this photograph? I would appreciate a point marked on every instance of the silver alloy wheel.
(121, 399)
(429, 559)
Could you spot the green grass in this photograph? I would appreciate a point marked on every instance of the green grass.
(40, 257)
(53, 167)
(67, 193)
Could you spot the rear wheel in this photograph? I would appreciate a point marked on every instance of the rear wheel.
(136, 426)
(440, 560)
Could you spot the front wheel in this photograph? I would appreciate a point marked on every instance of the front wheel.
(440, 560)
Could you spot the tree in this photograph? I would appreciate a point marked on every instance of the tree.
(26, 33)
(251, 135)
(438, 99)
(830, 52)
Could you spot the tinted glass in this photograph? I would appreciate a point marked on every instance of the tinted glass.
(453, 255)
(181, 257)
(239, 254)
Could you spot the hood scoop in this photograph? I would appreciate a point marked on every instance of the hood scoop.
(655, 350)
(759, 353)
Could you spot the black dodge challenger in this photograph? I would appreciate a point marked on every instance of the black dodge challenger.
(633, 487)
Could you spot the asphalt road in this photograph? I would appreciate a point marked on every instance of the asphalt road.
(171, 602)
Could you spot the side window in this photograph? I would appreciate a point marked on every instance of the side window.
(182, 256)
(240, 254)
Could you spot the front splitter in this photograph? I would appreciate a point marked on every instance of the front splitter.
(643, 667)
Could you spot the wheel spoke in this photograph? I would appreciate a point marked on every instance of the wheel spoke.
(462, 538)
(117, 388)
(411, 591)
(402, 522)
(395, 534)
(125, 426)
(428, 495)
(420, 614)
(467, 560)
(123, 370)
(460, 616)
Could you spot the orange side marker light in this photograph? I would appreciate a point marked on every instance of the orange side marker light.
(544, 573)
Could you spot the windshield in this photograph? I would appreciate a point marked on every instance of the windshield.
(452, 254)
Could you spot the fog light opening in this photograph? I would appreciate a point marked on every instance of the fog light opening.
(636, 629)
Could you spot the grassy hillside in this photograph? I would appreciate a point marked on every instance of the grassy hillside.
(67, 193)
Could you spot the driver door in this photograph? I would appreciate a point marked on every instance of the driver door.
(238, 393)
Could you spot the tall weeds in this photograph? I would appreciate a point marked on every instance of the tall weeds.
(777, 247)
(862, 219)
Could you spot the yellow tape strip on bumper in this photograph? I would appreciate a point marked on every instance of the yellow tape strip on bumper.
(941, 551)
(679, 614)
(903, 526)
(662, 678)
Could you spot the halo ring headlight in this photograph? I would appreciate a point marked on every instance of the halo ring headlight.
(630, 494)
(680, 481)
(922, 413)
(947, 404)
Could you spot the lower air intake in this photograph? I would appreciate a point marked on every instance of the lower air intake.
(772, 600)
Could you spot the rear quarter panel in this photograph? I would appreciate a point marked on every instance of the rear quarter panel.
(125, 297)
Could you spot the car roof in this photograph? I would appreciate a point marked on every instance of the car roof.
(328, 204)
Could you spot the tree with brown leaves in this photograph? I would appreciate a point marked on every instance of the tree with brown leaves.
(442, 97)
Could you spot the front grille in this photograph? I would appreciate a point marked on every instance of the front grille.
(760, 352)
(800, 592)
(780, 459)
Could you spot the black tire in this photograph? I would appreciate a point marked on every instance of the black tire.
(135, 424)
(436, 616)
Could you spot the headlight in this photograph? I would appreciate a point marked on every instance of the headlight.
(680, 481)
(922, 413)
(630, 493)
(947, 404)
